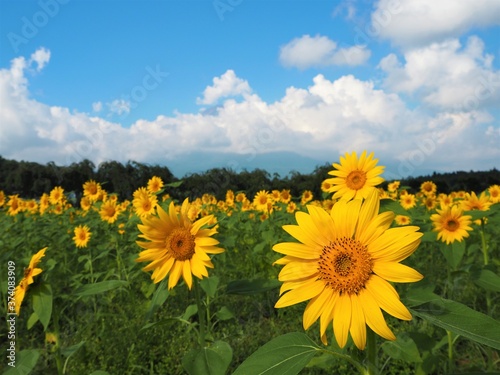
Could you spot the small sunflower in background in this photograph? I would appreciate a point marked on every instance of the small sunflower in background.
(354, 178)
(451, 224)
(82, 235)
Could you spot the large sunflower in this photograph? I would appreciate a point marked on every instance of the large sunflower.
(451, 225)
(354, 178)
(343, 265)
(176, 245)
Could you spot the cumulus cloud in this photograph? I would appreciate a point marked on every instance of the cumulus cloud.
(119, 106)
(226, 85)
(41, 57)
(410, 23)
(447, 75)
(307, 51)
(97, 106)
(329, 117)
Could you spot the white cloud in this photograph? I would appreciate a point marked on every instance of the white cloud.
(446, 75)
(41, 56)
(119, 106)
(97, 106)
(410, 23)
(224, 86)
(307, 51)
(320, 121)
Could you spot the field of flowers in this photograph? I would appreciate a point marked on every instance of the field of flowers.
(363, 279)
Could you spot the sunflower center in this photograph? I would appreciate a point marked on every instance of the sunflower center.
(180, 243)
(83, 236)
(452, 225)
(356, 180)
(345, 265)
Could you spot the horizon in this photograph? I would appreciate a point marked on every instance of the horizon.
(246, 84)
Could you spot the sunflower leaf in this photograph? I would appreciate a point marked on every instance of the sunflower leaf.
(24, 362)
(100, 287)
(42, 303)
(247, 287)
(461, 320)
(486, 279)
(287, 354)
(213, 360)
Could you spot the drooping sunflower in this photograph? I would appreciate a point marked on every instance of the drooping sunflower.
(82, 235)
(343, 264)
(29, 273)
(451, 224)
(355, 178)
(176, 245)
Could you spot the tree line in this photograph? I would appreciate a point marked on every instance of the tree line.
(31, 179)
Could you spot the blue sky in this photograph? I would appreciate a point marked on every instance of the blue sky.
(281, 85)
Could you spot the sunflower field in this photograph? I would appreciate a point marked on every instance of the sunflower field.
(360, 280)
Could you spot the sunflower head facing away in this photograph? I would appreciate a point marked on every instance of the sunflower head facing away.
(342, 265)
(354, 178)
(176, 245)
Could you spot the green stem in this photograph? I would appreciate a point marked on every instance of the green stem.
(371, 352)
(450, 351)
(201, 314)
(484, 245)
(91, 268)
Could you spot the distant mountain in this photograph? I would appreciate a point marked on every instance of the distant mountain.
(273, 162)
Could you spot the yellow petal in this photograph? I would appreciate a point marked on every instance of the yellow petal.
(307, 225)
(315, 308)
(327, 315)
(396, 272)
(342, 319)
(358, 323)
(306, 291)
(373, 315)
(298, 250)
(175, 274)
(298, 233)
(298, 270)
(186, 274)
(387, 297)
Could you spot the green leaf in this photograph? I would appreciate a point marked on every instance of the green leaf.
(174, 184)
(285, 355)
(454, 253)
(224, 313)
(25, 361)
(247, 287)
(213, 360)
(69, 351)
(190, 311)
(403, 348)
(209, 285)
(42, 303)
(461, 320)
(160, 296)
(394, 206)
(100, 287)
(429, 237)
(486, 279)
(32, 320)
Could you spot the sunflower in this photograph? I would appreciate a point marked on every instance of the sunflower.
(15, 205)
(2, 198)
(285, 196)
(262, 200)
(56, 195)
(493, 190)
(473, 202)
(155, 184)
(306, 197)
(176, 245)
(428, 188)
(82, 235)
(407, 201)
(85, 203)
(109, 211)
(144, 203)
(355, 178)
(402, 220)
(92, 190)
(451, 225)
(343, 265)
(393, 186)
(29, 273)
